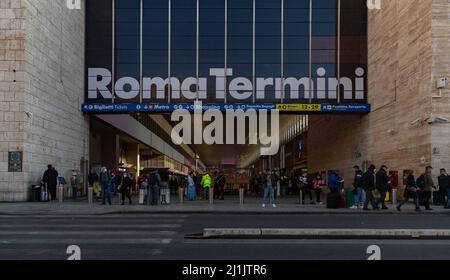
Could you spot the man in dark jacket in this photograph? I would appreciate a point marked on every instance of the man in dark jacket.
(410, 192)
(358, 187)
(51, 179)
(125, 188)
(105, 181)
(382, 184)
(219, 185)
(154, 185)
(444, 186)
(369, 187)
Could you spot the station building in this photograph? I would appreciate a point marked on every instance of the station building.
(290, 53)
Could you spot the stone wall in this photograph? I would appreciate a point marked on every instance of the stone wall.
(41, 91)
(399, 83)
(58, 132)
(441, 69)
(12, 72)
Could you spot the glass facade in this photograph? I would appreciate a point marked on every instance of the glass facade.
(228, 51)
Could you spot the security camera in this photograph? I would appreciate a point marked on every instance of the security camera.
(29, 114)
(437, 119)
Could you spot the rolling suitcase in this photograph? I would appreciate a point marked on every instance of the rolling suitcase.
(343, 201)
(334, 200)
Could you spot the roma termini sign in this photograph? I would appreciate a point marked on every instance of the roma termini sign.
(304, 94)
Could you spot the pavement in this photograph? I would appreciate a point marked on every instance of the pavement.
(252, 205)
(165, 237)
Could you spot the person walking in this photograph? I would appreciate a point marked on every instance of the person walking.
(51, 179)
(318, 184)
(410, 192)
(154, 183)
(105, 181)
(92, 178)
(219, 185)
(369, 188)
(428, 187)
(305, 188)
(358, 188)
(206, 184)
(191, 191)
(444, 187)
(268, 189)
(382, 185)
(117, 183)
(125, 188)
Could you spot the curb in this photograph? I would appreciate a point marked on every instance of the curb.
(293, 233)
(218, 212)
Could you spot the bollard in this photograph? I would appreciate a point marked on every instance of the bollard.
(394, 196)
(141, 196)
(241, 196)
(211, 196)
(300, 196)
(181, 195)
(60, 194)
(90, 195)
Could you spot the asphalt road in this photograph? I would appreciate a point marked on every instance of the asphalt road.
(162, 237)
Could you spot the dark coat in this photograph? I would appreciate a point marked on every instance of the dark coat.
(126, 184)
(92, 178)
(411, 181)
(105, 179)
(358, 180)
(382, 180)
(369, 180)
(50, 177)
(444, 183)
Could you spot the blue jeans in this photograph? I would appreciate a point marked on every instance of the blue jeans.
(359, 196)
(106, 193)
(269, 191)
(447, 202)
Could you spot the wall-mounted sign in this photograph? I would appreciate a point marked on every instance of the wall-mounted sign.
(99, 108)
(15, 161)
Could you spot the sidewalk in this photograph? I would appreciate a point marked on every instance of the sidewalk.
(287, 205)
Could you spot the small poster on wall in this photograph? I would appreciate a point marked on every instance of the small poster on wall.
(15, 161)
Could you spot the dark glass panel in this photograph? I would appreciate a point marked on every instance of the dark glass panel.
(127, 32)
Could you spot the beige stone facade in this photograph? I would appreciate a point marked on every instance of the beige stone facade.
(408, 52)
(41, 91)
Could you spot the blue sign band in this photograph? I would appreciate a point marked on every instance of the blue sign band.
(159, 108)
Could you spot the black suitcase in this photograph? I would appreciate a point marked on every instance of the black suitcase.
(334, 200)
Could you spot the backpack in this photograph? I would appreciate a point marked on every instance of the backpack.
(420, 182)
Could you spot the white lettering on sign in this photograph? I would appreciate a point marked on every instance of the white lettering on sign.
(239, 88)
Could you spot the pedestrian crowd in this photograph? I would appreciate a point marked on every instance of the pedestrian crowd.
(370, 188)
